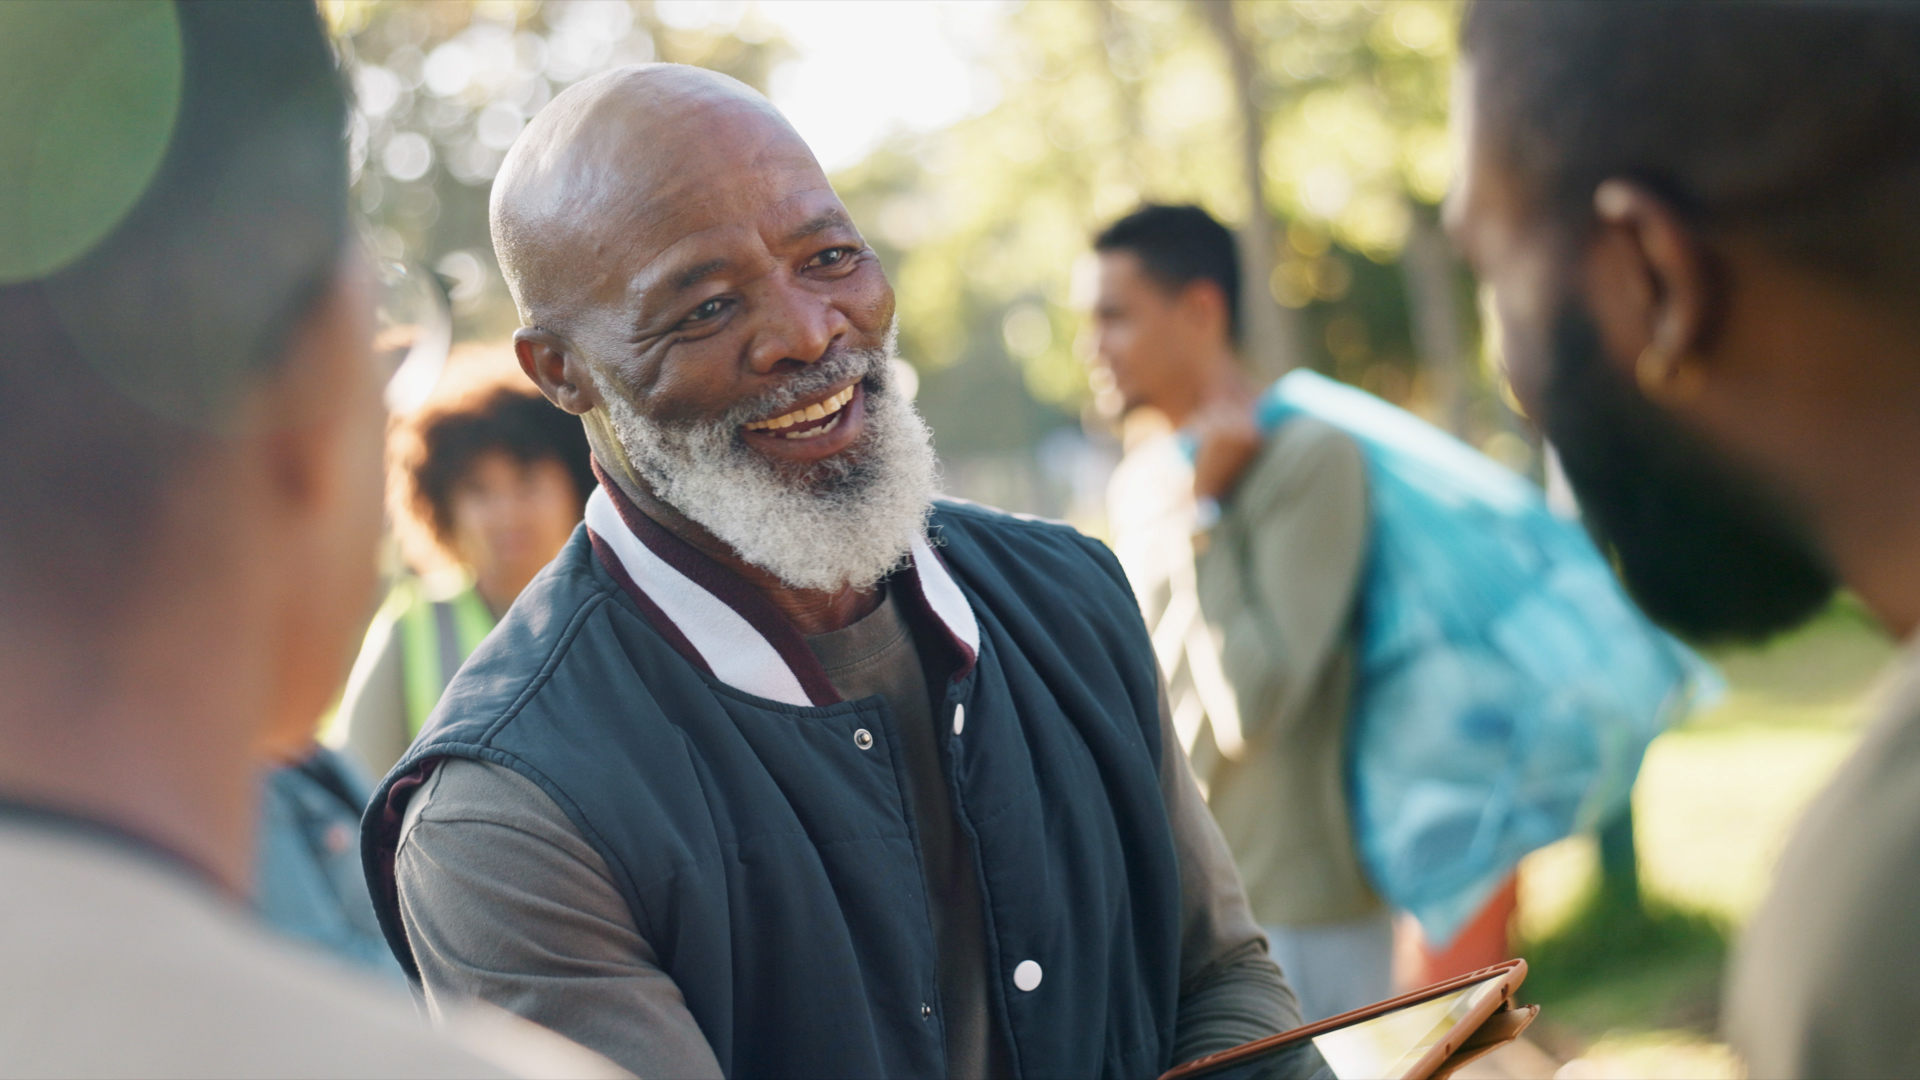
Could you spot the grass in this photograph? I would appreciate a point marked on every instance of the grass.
(1630, 986)
(1626, 964)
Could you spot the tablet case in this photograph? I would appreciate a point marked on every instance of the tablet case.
(1493, 1023)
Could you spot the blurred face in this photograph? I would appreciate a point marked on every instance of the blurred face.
(1703, 546)
(1146, 337)
(511, 517)
(335, 538)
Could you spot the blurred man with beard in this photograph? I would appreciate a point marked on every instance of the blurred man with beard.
(190, 415)
(1700, 224)
(783, 768)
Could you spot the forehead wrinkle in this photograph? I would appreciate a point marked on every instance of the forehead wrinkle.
(820, 223)
(693, 275)
(615, 155)
(675, 269)
(651, 221)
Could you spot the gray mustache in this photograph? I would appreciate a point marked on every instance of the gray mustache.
(869, 365)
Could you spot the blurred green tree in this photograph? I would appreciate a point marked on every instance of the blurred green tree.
(1101, 105)
(442, 89)
(1107, 103)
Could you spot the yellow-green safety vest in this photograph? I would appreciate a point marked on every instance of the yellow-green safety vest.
(436, 637)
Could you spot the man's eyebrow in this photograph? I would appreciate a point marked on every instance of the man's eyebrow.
(819, 223)
(692, 275)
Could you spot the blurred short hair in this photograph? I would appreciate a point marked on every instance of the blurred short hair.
(1797, 121)
(127, 355)
(1179, 245)
(430, 452)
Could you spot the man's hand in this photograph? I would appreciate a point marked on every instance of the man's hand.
(1229, 439)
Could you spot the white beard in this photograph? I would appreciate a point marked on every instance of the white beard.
(847, 521)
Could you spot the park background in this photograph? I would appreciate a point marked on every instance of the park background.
(979, 145)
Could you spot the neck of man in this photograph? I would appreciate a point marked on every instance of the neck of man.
(1865, 499)
(1219, 382)
(148, 725)
(812, 611)
(1835, 418)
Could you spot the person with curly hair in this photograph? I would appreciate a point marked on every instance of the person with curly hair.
(485, 483)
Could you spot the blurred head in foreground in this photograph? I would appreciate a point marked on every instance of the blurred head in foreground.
(191, 464)
(1168, 305)
(1701, 223)
(696, 292)
(492, 477)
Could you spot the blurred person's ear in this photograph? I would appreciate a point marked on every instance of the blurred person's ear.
(316, 432)
(556, 368)
(1202, 305)
(1652, 291)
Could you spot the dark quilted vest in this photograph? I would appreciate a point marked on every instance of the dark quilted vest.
(772, 862)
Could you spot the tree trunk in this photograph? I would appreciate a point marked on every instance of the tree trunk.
(1269, 334)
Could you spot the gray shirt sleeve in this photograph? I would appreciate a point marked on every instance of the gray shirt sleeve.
(1231, 992)
(504, 901)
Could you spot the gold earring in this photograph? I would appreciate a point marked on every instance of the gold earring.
(1666, 379)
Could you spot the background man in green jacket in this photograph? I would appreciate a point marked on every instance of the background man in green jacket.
(1260, 687)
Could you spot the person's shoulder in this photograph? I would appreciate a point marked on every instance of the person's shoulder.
(487, 792)
(1308, 443)
(1305, 461)
(164, 977)
(573, 581)
(977, 522)
(1823, 977)
(549, 611)
(547, 620)
(968, 531)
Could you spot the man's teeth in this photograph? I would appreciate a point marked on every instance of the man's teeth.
(820, 410)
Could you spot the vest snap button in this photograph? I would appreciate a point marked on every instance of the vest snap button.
(926, 1011)
(1027, 975)
(959, 718)
(863, 739)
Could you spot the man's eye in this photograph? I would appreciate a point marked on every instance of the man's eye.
(708, 310)
(833, 256)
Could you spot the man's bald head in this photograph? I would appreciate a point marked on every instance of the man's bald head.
(612, 156)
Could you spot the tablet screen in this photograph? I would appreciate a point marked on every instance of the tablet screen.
(1390, 1044)
(1385, 1047)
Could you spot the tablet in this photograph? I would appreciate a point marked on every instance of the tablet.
(1406, 1038)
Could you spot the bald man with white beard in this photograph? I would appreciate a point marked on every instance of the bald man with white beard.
(786, 767)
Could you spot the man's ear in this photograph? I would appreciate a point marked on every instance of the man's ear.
(1203, 305)
(1651, 287)
(556, 368)
(325, 394)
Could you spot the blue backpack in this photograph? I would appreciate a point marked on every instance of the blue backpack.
(1507, 687)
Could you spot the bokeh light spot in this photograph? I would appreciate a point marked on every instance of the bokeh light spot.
(93, 93)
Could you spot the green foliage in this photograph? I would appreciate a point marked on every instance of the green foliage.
(1102, 104)
(1107, 104)
(93, 92)
(442, 90)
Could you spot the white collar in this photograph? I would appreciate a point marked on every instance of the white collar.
(728, 627)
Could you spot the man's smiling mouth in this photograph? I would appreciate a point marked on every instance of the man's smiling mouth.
(819, 418)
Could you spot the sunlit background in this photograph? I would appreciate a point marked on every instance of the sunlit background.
(979, 145)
